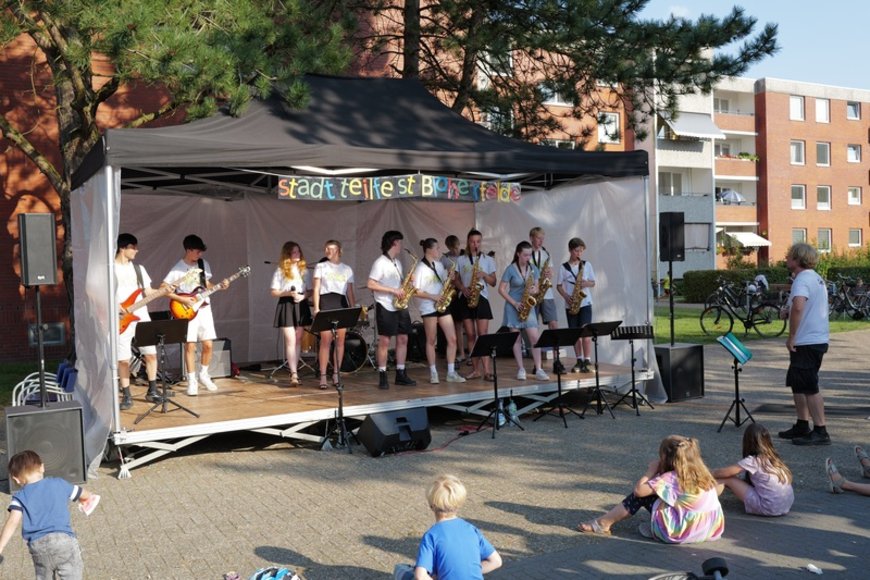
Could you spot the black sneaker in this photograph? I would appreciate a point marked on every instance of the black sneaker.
(813, 438)
(126, 402)
(382, 380)
(795, 432)
(584, 367)
(402, 378)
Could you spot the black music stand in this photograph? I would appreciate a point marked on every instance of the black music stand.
(594, 330)
(631, 333)
(741, 356)
(333, 320)
(161, 333)
(557, 338)
(491, 345)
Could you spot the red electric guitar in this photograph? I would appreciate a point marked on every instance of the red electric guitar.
(129, 306)
(183, 311)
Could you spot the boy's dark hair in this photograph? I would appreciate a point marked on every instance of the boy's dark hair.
(389, 239)
(576, 243)
(193, 242)
(125, 240)
(24, 462)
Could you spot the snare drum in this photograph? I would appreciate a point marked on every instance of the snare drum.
(355, 352)
(309, 341)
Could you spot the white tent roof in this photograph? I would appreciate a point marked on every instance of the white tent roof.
(749, 240)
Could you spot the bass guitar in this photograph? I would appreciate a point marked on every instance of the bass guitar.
(130, 305)
(182, 311)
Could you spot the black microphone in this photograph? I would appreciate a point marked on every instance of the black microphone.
(267, 262)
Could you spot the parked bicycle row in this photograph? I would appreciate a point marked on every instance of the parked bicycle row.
(749, 302)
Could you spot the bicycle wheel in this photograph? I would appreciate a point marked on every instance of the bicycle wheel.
(716, 321)
(712, 300)
(766, 321)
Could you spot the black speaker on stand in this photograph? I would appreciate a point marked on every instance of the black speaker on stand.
(672, 236)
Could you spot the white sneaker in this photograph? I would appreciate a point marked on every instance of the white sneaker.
(207, 382)
(433, 378)
(192, 387)
(541, 375)
(455, 377)
(521, 375)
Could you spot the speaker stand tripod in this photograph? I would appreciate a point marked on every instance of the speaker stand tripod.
(159, 333)
(741, 356)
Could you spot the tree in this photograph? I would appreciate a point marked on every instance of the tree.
(197, 54)
(486, 56)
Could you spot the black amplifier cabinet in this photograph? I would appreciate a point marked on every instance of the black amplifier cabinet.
(682, 370)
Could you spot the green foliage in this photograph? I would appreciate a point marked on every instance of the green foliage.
(699, 284)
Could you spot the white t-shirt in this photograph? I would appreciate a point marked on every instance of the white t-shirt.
(430, 282)
(464, 267)
(127, 283)
(334, 278)
(180, 269)
(539, 258)
(813, 327)
(297, 281)
(387, 272)
(567, 279)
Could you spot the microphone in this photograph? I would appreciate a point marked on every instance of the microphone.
(267, 262)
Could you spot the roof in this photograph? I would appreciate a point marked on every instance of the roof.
(359, 126)
(698, 125)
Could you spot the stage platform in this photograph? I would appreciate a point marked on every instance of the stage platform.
(254, 402)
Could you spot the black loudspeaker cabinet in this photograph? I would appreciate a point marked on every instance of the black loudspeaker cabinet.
(36, 234)
(395, 431)
(221, 364)
(672, 238)
(682, 370)
(55, 432)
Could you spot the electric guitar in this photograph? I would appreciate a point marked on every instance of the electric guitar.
(129, 306)
(180, 310)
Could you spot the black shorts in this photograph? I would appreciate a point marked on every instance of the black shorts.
(436, 314)
(391, 323)
(583, 316)
(482, 312)
(803, 369)
(332, 301)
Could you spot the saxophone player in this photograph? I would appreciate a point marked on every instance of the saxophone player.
(518, 285)
(576, 276)
(475, 264)
(386, 283)
(541, 259)
(431, 281)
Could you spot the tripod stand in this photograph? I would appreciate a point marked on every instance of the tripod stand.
(332, 321)
(161, 333)
(630, 333)
(286, 365)
(492, 345)
(741, 356)
(558, 338)
(594, 330)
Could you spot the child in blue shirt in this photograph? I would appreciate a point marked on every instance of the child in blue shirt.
(40, 506)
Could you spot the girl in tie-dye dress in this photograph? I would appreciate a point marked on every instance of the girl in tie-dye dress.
(680, 494)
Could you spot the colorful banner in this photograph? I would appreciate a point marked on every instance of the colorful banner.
(416, 186)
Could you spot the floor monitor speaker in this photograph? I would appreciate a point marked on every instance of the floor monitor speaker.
(36, 233)
(682, 370)
(395, 431)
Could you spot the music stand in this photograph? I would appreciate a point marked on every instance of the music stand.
(333, 320)
(741, 356)
(557, 338)
(594, 330)
(491, 345)
(631, 333)
(161, 333)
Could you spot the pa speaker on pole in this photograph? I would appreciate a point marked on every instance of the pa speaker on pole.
(36, 234)
(672, 241)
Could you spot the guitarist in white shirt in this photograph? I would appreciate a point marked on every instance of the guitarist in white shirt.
(201, 327)
(127, 281)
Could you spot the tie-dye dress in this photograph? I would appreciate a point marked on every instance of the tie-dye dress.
(684, 518)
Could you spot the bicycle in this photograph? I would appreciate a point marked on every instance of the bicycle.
(847, 297)
(748, 307)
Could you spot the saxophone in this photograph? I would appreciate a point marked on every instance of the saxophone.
(528, 301)
(407, 285)
(544, 283)
(448, 291)
(578, 295)
(475, 285)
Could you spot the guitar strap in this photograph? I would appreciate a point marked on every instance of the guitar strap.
(139, 278)
(201, 265)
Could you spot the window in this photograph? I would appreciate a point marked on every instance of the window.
(670, 183)
(855, 238)
(497, 121)
(823, 111)
(608, 128)
(796, 108)
(559, 143)
(798, 197)
(823, 153)
(854, 196)
(853, 110)
(552, 97)
(798, 235)
(824, 243)
(823, 197)
(722, 148)
(797, 152)
(721, 105)
(697, 236)
(853, 153)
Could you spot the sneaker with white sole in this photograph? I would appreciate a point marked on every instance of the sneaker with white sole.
(541, 375)
(521, 375)
(207, 382)
(455, 377)
(192, 387)
(433, 378)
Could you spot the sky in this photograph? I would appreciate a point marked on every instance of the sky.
(824, 42)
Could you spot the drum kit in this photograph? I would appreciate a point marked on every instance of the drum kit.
(357, 350)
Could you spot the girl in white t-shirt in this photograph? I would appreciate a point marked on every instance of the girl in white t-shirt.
(290, 287)
(333, 289)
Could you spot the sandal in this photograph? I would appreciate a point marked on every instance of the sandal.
(323, 385)
(645, 530)
(835, 480)
(294, 380)
(862, 457)
(489, 377)
(334, 378)
(472, 376)
(593, 527)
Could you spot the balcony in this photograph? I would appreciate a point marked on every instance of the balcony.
(743, 122)
(745, 212)
(732, 166)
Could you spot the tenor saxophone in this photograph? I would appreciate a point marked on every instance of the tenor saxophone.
(578, 295)
(448, 291)
(407, 285)
(544, 283)
(528, 301)
(475, 285)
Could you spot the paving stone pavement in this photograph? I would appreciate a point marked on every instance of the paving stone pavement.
(242, 501)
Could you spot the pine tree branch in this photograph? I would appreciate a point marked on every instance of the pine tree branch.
(163, 111)
(23, 143)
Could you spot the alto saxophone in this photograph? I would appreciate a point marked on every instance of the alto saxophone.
(475, 285)
(544, 283)
(528, 301)
(407, 285)
(448, 291)
(578, 295)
